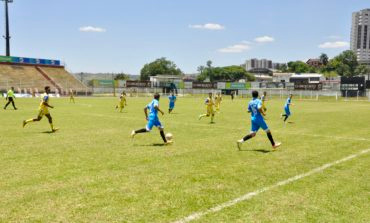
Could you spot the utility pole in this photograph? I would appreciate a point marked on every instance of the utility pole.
(7, 34)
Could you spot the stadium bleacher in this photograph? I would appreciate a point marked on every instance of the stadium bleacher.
(33, 78)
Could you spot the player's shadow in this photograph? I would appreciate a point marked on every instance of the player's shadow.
(152, 144)
(290, 122)
(49, 132)
(256, 150)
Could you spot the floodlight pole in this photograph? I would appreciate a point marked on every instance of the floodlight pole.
(7, 35)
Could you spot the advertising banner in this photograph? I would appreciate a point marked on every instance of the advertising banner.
(221, 85)
(25, 60)
(5, 59)
(204, 85)
(138, 84)
(104, 83)
(237, 85)
(121, 83)
(312, 87)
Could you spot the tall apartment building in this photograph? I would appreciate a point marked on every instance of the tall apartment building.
(360, 35)
(255, 63)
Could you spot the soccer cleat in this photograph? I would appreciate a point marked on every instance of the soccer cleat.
(55, 129)
(133, 133)
(169, 142)
(274, 147)
(239, 144)
(24, 123)
(200, 117)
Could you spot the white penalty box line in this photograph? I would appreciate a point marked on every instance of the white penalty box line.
(250, 195)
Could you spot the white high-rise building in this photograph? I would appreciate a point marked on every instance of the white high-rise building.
(360, 35)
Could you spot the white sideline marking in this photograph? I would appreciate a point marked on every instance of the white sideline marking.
(248, 196)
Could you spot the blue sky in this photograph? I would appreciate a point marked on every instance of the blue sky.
(120, 35)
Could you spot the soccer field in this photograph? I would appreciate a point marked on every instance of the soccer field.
(91, 170)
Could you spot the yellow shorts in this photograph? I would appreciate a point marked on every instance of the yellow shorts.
(210, 111)
(43, 112)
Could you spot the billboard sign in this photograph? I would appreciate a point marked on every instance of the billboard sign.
(24, 60)
(312, 87)
(203, 85)
(138, 84)
(221, 85)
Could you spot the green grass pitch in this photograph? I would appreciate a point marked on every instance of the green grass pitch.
(91, 171)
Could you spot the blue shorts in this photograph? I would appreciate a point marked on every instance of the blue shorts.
(172, 105)
(154, 122)
(257, 124)
(287, 111)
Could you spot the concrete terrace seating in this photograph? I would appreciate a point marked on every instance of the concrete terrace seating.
(64, 79)
(21, 77)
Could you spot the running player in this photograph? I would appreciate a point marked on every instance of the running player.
(43, 110)
(10, 98)
(153, 119)
(218, 99)
(122, 102)
(171, 105)
(257, 121)
(287, 108)
(71, 96)
(209, 105)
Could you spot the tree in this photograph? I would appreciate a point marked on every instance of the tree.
(209, 64)
(345, 64)
(122, 76)
(229, 73)
(160, 66)
(201, 69)
(298, 67)
(330, 74)
(324, 59)
(362, 70)
(283, 68)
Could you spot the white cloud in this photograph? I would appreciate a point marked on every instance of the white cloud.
(264, 39)
(336, 44)
(92, 29)
(237, 48)
(210, 26)
(334, 37)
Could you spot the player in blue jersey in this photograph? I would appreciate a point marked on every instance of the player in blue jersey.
(172, 99)
(257, 121)
(152, 119)
(287, 107)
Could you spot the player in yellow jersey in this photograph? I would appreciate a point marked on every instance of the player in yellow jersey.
(122, 102)
(43, 110)
(71, 96)
(218, 99)
(209, 105)
(263, 99)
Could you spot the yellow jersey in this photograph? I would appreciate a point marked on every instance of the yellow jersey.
(44, 98)
(218, 99)
(209, 103)
(122, 100)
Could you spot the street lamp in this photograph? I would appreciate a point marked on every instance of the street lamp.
(7, 35)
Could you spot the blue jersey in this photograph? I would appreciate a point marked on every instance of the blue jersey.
(172, 98)
(153, 113)
(288, 101)
(254, 107)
